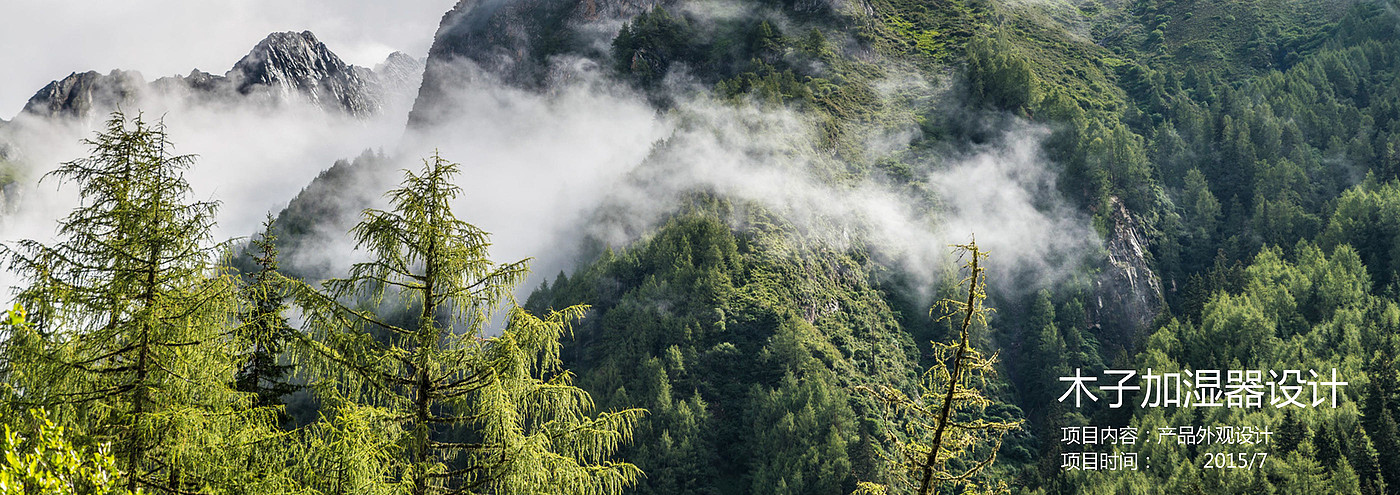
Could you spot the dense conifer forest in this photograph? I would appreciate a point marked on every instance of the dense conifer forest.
(1218, 183)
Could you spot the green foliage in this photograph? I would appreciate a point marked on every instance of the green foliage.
(471, 413)
(129, 341)
(645, 48)
(769, 86)
(1310, 310)
(1367, 217)
(933, 33)
(264, 328)
(654, 42)
(949, 444)
(999, 75)
(722, 335)
(749, 59)
(39, 458)
(1231, 35)
(803, 434)
(351, 449)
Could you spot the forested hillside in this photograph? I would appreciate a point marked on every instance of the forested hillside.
(769, 300)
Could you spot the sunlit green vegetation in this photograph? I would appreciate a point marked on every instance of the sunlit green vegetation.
(1255, 144)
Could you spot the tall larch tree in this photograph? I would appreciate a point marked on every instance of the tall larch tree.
(477, 414)
(948, 444)
(130, 342)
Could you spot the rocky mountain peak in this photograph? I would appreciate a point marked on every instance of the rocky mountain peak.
(281, 67)
(400, 66)
(290, 62)
(399, 74)
(79, 93)
(287, 59)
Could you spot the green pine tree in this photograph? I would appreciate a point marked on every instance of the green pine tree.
(263, 327)
(1291, 432)
(130, 342)
(948, 445)
(476, 414)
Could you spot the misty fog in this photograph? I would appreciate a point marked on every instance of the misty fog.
(592, 158)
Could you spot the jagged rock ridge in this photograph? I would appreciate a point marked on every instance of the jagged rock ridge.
(79, 93)
(400, 74)
(288, 63)
(282, 66)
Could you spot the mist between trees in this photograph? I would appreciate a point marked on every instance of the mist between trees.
(137, 361)
(132, 337)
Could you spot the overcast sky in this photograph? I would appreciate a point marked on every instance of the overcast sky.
(44, 40)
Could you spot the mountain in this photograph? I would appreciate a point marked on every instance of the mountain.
(513, 40)
(78, 95)
(297, 63)
(310, 229)
(281, 67)
(1236, 163)
(399, 75)
(723, 331)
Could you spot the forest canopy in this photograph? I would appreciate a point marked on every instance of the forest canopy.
(1234, 166)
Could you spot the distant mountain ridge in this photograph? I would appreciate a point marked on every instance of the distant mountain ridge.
(282, 66)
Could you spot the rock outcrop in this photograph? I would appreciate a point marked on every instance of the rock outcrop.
(80, 93)
(282, 66)
(514, 40)
(399, 76)
(287, 64)
(1128, 295)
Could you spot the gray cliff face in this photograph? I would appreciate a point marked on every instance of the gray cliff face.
(282, 67)
(400, 74)
(297, 63)
(1128, 294)
(515, 41)
(79, 94)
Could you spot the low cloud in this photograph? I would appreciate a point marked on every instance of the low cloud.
(1003, 192)
(542, 171)
(592, 158)
(251, 157)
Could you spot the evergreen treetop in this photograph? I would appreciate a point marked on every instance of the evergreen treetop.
(130, 342)
(477, 414)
